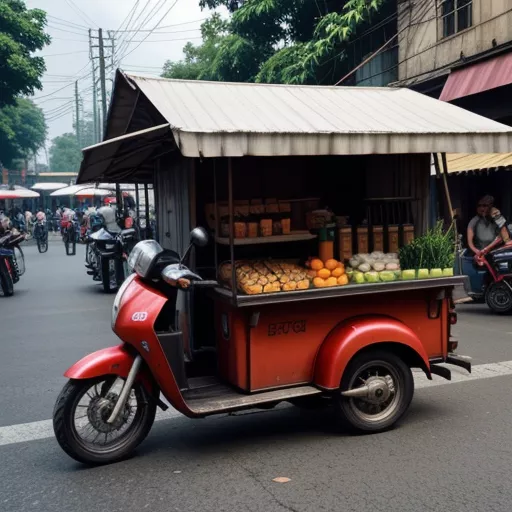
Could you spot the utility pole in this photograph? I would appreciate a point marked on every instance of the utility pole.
(77, 102)
(119, 197)
(112, 50)
(102, 80)
(94, 99)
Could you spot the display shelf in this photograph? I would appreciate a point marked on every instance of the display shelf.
(339, 291)
(294, 236)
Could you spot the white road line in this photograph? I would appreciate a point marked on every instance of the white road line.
(24, 432)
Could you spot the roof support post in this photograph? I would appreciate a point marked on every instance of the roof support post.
(231, 229)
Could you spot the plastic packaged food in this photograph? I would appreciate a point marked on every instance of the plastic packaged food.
(387, 275)
(371, 277)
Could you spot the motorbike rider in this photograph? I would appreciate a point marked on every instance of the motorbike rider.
(482, 229)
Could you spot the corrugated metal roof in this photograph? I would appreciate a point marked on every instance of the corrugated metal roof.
(479, 77)
(231, 119)
(463, 162)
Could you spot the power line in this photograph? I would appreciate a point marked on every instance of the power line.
(64, 30)
(59, 54)
(64, 23)
(130, 15)
(419, 20)
(165, 40)
(66, 39)
(121, 47)
(168, 26)
(77, 9)
(141, 25)
(156, 26)
(65, 86)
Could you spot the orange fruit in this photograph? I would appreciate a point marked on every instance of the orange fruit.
(331, 281)
(331, 264)
(340, 264)
(311, 274)
(319, 282)
(317, 264)
(337, 272)
(324, 273)
(343, 280)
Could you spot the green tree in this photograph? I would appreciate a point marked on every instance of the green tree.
(198, 63)
(21, 34)
(280, 41)
(65, 155)
(22, 130)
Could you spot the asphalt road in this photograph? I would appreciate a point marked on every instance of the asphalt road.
(452, 452)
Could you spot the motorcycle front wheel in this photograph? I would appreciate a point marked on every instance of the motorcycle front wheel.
(20, 260)
(80, 420)
(498, 297)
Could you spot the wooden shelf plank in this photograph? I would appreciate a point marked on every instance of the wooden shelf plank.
(292, 237)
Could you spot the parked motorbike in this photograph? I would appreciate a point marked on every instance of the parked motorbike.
(12, 260)
(490, 273)
(107, 251)
(108, 257)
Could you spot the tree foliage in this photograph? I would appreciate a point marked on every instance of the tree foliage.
(278, 41)
(65, 154)
(22, 130)
(21, 34)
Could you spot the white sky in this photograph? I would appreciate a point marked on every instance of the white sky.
(72, 42)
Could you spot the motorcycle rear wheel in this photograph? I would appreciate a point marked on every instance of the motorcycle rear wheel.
(70, 242)
(85, 444)
(6, 282)
(109, 275)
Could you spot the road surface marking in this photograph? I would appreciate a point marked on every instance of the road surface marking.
(36, 430)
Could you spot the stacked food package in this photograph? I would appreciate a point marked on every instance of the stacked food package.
(374, 267)
(265, 276)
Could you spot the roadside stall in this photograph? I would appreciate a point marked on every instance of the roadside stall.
(314, 198)
(45, 188)
(15, 196)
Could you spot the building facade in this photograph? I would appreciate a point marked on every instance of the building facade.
(468, 38)
(460, 51)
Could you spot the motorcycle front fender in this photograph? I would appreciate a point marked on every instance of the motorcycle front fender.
(108, 361)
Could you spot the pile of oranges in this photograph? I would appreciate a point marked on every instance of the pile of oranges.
(330, 273)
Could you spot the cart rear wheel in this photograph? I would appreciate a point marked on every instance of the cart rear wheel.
(376, 390)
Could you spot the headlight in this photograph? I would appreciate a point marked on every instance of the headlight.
(143, 255)
(119, 297)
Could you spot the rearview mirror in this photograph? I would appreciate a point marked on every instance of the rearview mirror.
(199, 237)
